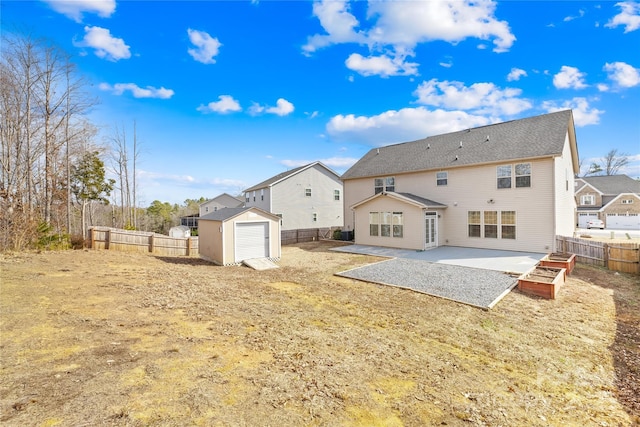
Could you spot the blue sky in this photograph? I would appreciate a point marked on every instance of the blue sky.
(228, 93)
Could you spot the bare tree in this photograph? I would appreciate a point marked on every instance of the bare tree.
(613, 162)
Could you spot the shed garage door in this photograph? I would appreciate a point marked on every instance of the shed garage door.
(252, 240)
(623, 221)
(584, 217)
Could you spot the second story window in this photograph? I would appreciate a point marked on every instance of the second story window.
(588, 200)
(336, 195)
(307, 192)
(262, 194)
(504, 176)
(523, 175)
(627, 201)
(442, 178)
(384, 184)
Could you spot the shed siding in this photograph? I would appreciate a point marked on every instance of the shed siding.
(297, 209)
(210, 241)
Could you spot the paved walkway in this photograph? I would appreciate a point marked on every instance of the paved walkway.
(477, 277)
(490, 259)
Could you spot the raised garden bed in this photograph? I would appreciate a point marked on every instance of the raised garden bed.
(542, 281)
(559, 260)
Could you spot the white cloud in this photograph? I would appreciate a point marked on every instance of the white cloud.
(482, 98)
(569, 78)
(515, 74)
(226, 104)
(282, 108)
(339, 24)
(583, 114)
(395, 28)
(624, 75)
(74, 9)
(136, 91)
(206, 47)
(602, 87)
(571, 18)
(399, 126)
(106, 46)
(629, 16)
(409, 23)
(383, 65)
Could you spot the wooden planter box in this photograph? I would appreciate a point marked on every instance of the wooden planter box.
(559, 260)
(542, 281)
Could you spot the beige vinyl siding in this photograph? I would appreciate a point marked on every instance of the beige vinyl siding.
(413, 218)
(565, 202)
(210, 247)
(297, 209)
(471, 188)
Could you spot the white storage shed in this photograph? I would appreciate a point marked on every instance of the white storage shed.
(229, 236)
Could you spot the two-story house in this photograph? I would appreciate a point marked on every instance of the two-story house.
(507, 186)
(309, 196)
(615, 199)
(222, 201)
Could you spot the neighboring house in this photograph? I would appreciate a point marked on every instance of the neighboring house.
(222, 201)
(615, 199)
(506, 186)
(309, 196)
(229, 236)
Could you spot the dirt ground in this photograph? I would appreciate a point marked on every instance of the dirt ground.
(91, 338)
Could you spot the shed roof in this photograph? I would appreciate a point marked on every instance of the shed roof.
(225, 214)
(533, 137)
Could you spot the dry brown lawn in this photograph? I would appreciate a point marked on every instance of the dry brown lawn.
(92, 338)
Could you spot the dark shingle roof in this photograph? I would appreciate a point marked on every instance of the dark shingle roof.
(426, 202)
(612, 185)
(223, 214)
(533, 137)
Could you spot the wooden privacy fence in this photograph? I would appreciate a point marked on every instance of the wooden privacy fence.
(140, 241)
(289, 237)
(623, 257)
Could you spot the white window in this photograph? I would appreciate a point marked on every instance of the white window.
(307, 192)
(398, 224)
(473, 223)
(254, 196)
(386, 224)
(206, 209)
(504, 176)
(374, 224)
(384, 184)
(336, 195)
(262, 194)
(523, 175)
(442, 178)
(588, 199)
(315, 217)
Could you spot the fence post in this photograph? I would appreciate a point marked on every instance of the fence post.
(188, 246)
(151, 243)
(605, 255)
(107, 239)
(92, 238)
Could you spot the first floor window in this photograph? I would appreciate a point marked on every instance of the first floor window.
(385, 224)
(491, 224)
(398, 224)
(508, 221)
(473, 221)
(374, 224)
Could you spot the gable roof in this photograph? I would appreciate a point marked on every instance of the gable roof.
(284, 175)
(533, 137)
(224, 199)
(408, 198)
(228, 213)
(613, 184)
